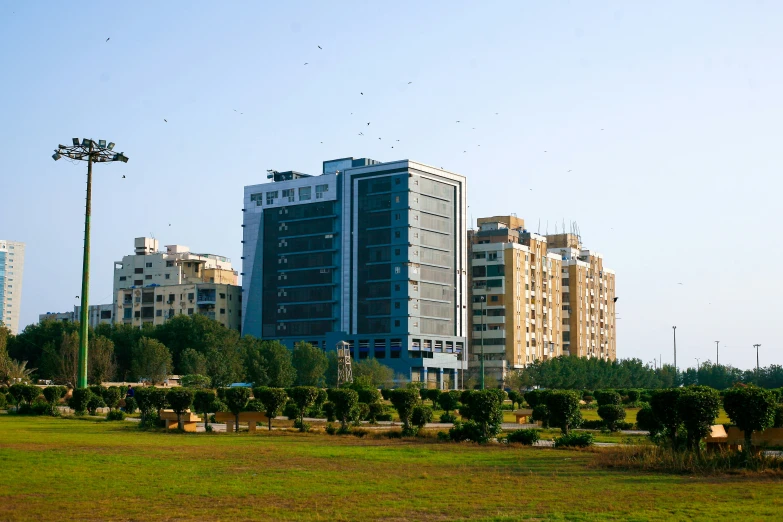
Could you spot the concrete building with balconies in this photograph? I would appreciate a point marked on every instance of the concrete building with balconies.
(153, 286)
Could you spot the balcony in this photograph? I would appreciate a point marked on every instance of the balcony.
(206, 297)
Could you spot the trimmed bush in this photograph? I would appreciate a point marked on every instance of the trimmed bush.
(375, 410)
(698, 406)
(448, 417)
(291, 411)
(3, 401)
(79, 400)
(404, 401)
(564, 410)
(528, 437)
(345, 403)
(633, 396)
(574, 440)
(94, 403)
(751, 408)
(611, 414)
(329, 411)
(588, 399)
(421, 416)
(466, 431)
(115, 415)
(778, 417)
(664, 408)
(593, 425)
(274, 400)
(385, 393)
(384, 417)
(607, 397)
(130, 405)
(541, 414)
(449, 401)
(304, 397)
(236, 400)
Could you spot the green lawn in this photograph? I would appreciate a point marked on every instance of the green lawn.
(55, 469)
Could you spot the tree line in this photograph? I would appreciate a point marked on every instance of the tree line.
(184, 345)
(578, 373)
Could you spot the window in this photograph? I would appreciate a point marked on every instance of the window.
(396, 288)
(123, 278)
(127, 313)
(304, 193)
(396, 181)
(396, 199)
(222, 296)
(257, 198)
(190, 311)
(159, 298)
(171, 298)
(168, 276)
(138, 282)
(396, 322)
(493, 298)
(397, 234)
(169, 263)
(397, 217)
(222, 311)
(397, 270)
(137, 314)
(288, 194)
(138, 270)
(320, 190)
(271, 197)
(397, 305)
(191, 296)
(148, 276)
(105, 314)
(158, 313)
(148, 265)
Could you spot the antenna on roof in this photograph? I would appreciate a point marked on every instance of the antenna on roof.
(539, 226)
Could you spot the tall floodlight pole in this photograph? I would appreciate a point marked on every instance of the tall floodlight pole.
(717, 353)
(483, 299)
(757, 361)
(674, 329)
(91, 152)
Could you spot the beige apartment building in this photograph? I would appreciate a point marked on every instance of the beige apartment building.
(516, 297)
(589, 322)
(152, 286)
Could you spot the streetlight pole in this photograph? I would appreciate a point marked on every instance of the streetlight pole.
(717, 353)
(757, 360)
(483, 299)
(92, 152)
(674, 329)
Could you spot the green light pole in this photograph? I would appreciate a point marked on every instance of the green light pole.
(91, 152)
(483, 299)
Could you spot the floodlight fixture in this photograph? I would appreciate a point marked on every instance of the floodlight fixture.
(110, 146)
(92, 152)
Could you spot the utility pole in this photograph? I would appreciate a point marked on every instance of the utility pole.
(483, 299)
(757, 360)
(92, 152)
(717, 353)
(674, 329)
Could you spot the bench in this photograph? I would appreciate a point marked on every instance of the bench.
(189, 420)
(251, 418)
(769, 437)
(523, 416)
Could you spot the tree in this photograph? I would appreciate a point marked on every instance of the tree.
(268, 363)
(664, 407)
(100, 359)
(180, 400)
(53, 394)
(310, 364)
(541, 414)
(751, 408)
(434, 395)
(421, 416)
(330, 376)
(236, 400)
(515, 398)
(485, 411)
(611, 414)
(379, 375)
(404, 400)
(304, 397)
(151, 360)
(205, 402)
(79, 400)
(192, 362)
(150, 400)
(111, 396)
(536, 397)
(30, 393)
(274, 400)
(698, 406)
(607, 397)
(449, 400)
(564, 411)
(647, 421)
(225, 365)
(195, 381)
(344, 401)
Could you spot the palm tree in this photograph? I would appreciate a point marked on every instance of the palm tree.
(12, 372)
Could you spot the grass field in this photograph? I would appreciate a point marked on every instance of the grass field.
(55, 469)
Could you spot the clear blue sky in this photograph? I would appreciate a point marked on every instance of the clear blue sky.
(682, 185)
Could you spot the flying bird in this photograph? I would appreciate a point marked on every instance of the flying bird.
(169, 224)
(410, 83)
(109, 38)
(77, 297)
(398, 140)
(123, 176)
(164, 119)
(361, 134)
(368, 123)
(615, 299)
(378, 138)
(361, 93)
(457, 121)
(569, 171)
(320, 47)
(306, 63)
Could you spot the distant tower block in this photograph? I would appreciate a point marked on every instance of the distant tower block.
(344, 373)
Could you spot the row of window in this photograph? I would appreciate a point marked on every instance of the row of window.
(305, 194)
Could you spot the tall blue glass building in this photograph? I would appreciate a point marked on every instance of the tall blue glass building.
(370, 253)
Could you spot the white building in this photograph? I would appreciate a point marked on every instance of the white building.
(11, 271)
(97, 314)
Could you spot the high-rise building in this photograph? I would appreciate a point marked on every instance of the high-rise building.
(11, 272)
(152, 286)
(589, 323)
(371, 254)
(515, 295)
